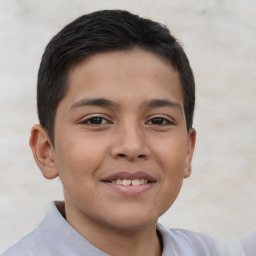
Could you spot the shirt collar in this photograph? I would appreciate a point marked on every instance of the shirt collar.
(69, 240)
(60, 236)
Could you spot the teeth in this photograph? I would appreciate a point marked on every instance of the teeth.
(136, 182)
(126, 182)
(119, 181)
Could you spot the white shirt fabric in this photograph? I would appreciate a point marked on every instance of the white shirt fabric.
(248, 242)
(55, 237)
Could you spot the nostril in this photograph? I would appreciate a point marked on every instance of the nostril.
(141, 156)
(121, 155)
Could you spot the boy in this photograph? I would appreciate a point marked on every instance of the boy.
(115, 99)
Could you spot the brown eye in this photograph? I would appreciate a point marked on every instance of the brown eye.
(159, 121)
(95, 120)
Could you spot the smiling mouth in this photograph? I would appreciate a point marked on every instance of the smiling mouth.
(129, 182)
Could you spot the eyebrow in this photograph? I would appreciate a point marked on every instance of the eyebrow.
(100, 102)
(158, 103)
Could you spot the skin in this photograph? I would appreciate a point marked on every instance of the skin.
(139, 127)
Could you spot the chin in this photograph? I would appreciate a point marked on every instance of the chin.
(133, 220)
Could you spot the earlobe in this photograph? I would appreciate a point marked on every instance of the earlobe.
(190, 151)
(43, 151)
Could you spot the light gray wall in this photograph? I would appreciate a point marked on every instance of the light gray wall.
(219, 38)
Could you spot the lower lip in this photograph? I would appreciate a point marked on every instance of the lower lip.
(130, 190)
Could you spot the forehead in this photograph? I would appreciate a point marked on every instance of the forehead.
(124, 74)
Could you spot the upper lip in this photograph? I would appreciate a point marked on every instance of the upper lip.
(129, 176)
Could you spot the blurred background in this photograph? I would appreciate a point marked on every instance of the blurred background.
(219, 37)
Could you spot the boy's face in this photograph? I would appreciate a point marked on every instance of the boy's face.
(122, 121)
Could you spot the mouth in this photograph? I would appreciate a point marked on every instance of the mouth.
(129, 179)
(130, 183)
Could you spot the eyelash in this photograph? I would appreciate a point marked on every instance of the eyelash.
(160, 121)
(98, 120)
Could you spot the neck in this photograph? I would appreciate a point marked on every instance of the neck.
(137, 242)
(114, 241)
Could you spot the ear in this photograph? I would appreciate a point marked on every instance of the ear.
(190, 151)
(43, 151)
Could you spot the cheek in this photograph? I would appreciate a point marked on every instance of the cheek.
(78, 157)
(172, 158)
(171, 154)
(70, 158)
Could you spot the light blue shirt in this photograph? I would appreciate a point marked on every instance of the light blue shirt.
(55, 237)
(249, 243)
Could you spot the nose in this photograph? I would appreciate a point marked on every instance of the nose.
(130, 143)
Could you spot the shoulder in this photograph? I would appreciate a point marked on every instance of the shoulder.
(198, 241)
(192, 243)
(186, 242)
(26, 246)
(248, 242)
(37, 242)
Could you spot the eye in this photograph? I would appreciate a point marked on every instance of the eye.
(96, 120)
(159, 121)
